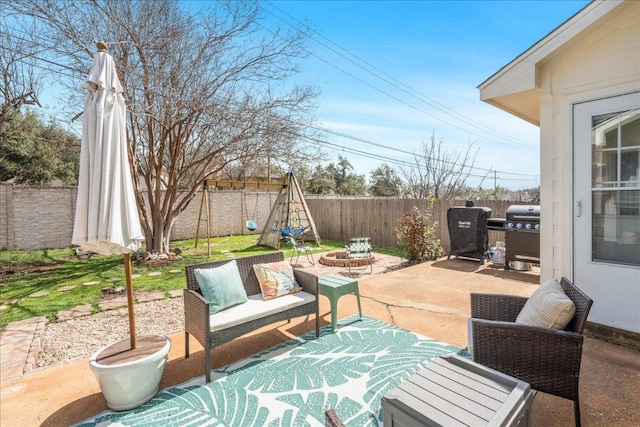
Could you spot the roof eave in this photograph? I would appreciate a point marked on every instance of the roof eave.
(517, 79)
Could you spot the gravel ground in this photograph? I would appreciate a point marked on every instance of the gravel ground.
(81, 337)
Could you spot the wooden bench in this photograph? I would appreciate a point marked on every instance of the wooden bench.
(212, 330)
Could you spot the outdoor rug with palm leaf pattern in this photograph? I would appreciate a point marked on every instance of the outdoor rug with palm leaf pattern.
(293, 383)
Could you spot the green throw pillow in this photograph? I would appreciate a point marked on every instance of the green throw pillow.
(222, 286)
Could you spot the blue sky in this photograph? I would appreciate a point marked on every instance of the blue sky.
(425, 61)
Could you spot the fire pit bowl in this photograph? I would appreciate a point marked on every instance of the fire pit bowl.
(339, 259)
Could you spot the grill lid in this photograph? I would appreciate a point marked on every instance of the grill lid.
(523, 212)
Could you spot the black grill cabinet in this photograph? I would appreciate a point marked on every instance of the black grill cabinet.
(468, 232)
(522, 234)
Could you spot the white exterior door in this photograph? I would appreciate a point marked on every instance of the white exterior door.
(606, 215)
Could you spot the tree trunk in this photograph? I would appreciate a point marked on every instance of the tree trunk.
(160, 238)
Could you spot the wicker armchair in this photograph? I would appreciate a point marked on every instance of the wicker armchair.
(548, 359)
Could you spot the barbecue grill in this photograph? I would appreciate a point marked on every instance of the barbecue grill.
(496, 224)
(522, 234)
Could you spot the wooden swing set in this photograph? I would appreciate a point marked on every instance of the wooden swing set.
(228, 185)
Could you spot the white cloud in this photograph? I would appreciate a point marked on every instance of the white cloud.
(515, 148)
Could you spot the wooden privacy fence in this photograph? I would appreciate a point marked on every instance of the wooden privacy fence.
(41, 217)
(343, 218)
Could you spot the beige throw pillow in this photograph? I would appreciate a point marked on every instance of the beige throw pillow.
(548, 307)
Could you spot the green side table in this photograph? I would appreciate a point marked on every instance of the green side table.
(333, 287)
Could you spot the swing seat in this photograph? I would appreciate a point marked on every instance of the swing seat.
(251, 224)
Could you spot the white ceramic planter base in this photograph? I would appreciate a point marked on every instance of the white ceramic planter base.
(127, 384)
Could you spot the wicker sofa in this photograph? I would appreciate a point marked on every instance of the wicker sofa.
(213, 330)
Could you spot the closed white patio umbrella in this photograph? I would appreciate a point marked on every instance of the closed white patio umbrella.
(106, 217)
(107, 222)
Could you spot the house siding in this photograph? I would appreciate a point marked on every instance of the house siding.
(603, 61)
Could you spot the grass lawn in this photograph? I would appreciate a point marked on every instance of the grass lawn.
(23, 273)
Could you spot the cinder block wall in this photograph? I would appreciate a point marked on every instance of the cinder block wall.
(37, 218)
(228, 214)
(42, 217)
(5, 207)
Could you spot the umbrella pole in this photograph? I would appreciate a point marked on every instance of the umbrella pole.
(132, 318)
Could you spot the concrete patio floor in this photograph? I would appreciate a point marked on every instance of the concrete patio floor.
(431, 299)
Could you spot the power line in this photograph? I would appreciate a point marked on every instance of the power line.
(398, 150)
(395, 83)
(392, 149)
(35, 56)
(329, 131)
(405, 88)
(403, 162)
(355, 138)
(398, 99)
(415, 95)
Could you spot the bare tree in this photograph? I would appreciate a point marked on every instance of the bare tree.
(437, 172)
(204, 84)
(20, 82)
(280, 152)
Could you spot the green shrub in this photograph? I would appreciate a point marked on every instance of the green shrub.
(416, 234)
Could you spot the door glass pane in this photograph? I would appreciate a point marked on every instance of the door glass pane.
(630, 167)
(616, 227)
(631, 130)
(604, 169)
(605, 130)
(615, 178)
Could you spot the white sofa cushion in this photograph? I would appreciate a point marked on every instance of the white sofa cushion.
(255, 308)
